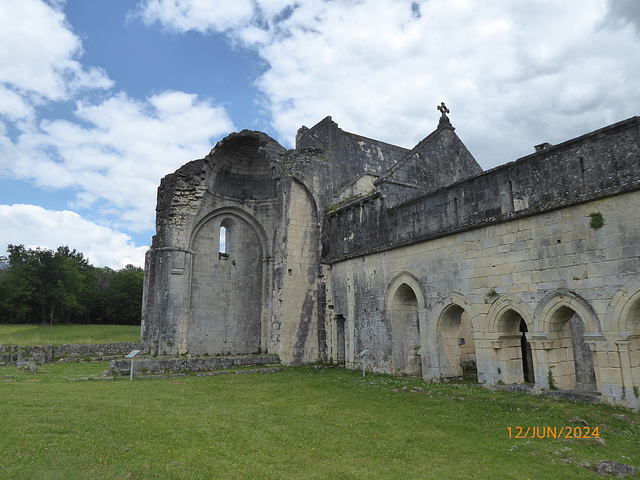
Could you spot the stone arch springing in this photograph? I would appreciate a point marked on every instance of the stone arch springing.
(564, 318)
(622, 314)
(455, 326)
(509, 322)
(405, 307)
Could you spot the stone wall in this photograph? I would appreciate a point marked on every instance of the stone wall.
(438, 270)
(295, 309)
(159, 366)
(259, 294)
(348, 155)
(543, 269)
(506, 271)
(596, 165)
(438, 161)
(50, 353)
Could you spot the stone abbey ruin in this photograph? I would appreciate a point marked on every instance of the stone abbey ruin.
(528, 273)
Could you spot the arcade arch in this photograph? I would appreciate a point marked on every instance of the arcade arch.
(456, 339)
(622, 324)
(406, 307)
(565, 318)
(510, 321)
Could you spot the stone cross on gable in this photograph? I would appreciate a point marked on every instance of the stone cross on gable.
(443, 109)
(444, 120)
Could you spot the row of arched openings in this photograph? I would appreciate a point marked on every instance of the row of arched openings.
(570, 359)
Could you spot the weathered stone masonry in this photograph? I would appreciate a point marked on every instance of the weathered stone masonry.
(347, 243)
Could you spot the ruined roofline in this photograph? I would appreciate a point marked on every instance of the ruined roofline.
(263, 137)
(559, 147)
(547, 181)
(250, 142)
(532, 157)
(328, 123)
(549, 152)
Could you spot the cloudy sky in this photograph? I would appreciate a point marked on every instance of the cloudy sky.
(100, 99)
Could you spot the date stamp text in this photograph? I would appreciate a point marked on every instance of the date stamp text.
(553, 432)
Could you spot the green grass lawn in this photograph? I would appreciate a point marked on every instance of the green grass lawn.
(26, 335)
(303, 423)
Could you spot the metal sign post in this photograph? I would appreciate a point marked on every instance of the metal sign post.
(362, 354)
(132, 356)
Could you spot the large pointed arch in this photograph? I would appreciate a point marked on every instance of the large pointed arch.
(228, 306)
(497, 316)
(233, 211)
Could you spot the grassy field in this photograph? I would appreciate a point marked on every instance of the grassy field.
(303, 423)
(26, 335)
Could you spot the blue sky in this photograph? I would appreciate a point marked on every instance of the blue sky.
(100, 99)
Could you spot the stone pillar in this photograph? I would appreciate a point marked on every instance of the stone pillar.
(627, 377)
(511, 358)
(48, 350)
(431, 357)
(540, 345)
(597, 343)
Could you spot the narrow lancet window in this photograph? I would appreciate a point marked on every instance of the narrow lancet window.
(222, 249)
(223, 240)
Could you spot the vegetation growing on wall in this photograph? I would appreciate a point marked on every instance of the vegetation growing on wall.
(42, 286)
(596, 220)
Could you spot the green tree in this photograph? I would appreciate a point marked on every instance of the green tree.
(18, 287)
(42, 285)
(123, 297)
(45, 286)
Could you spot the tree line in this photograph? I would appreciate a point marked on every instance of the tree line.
(43, 286)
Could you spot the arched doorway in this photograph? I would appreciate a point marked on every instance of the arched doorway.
(405, 326)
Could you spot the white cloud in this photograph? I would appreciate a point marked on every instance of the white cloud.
(38, 53)
(118, 151)
(513, 74)
(34, 226)
(198, 15)
(13, 105)
(112, 154)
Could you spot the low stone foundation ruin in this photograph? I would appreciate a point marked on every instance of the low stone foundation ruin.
(39, 354)
(161, 366)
